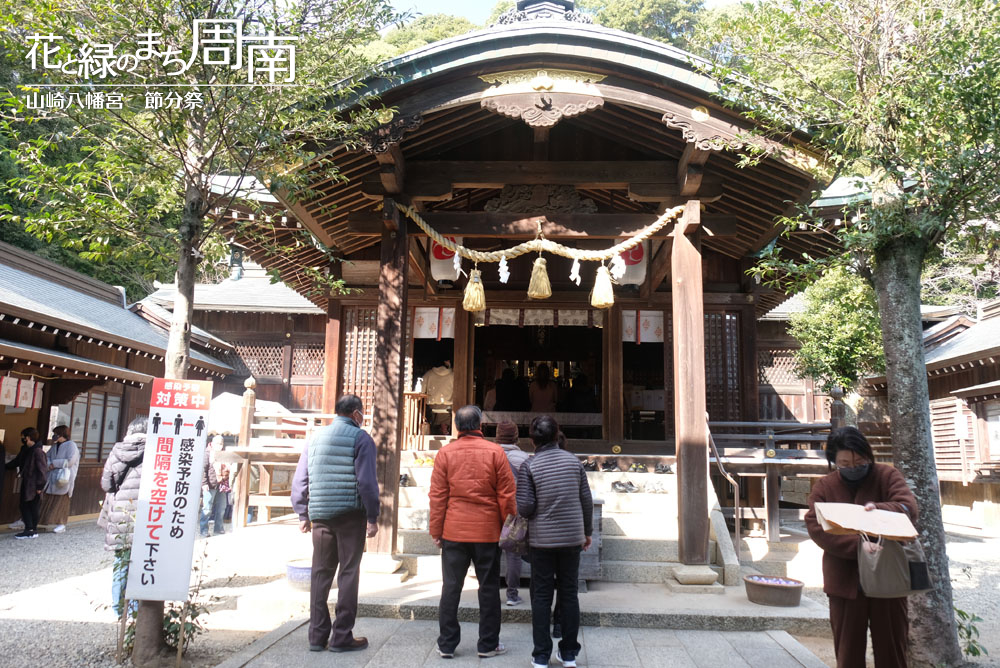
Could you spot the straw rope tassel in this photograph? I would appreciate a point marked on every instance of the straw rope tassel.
(603, 295)
(539, 287)
(475, 295)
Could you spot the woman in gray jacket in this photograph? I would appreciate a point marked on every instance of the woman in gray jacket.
(120, 480)
(64, 463)
(554, 495)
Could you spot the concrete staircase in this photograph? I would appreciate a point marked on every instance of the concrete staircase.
(638, 533)
(795, 556)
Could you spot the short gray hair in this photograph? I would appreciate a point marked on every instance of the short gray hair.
(468, 418)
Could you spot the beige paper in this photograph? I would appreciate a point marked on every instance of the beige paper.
(851, 518)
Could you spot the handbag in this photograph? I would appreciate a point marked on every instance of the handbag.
(891, 569)
(514, 535)
(62, 478)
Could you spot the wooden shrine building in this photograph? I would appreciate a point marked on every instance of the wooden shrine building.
(546, 124)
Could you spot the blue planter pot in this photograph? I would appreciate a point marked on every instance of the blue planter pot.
(299, 573)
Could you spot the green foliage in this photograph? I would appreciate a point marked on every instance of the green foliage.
(141, 185)
(968, 633)
(902, 92)
(501, 7)
(670, 21)
(839, 331)
(956, 274)
(420, 32)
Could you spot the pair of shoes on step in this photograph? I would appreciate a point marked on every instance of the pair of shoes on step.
(663, 468)
(610, 466)
(624, 487)
(517, 600)
(590, 464)
(405, 481)
(500, 649)
(566, 661)
(638, 468)
(655, 487)
(358, 643)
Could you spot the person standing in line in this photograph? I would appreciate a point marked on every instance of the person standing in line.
(209, 489)
(335, 494)
(120, 479)
(507, 439)
(472, 492)
(554, 495)
(858, 479)
(33, 466)
(63, 455)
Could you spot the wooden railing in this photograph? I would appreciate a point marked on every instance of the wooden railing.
(414, 404)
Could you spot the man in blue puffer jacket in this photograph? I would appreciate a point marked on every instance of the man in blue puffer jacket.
(335, 493)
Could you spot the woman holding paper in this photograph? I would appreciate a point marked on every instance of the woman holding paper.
(858, 479)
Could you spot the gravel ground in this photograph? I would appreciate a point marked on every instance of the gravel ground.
(55, 595)
(975, 573)
(56, 590)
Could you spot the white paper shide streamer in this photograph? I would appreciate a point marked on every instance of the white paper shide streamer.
(504, 270)
(574, 274)
(617, 267)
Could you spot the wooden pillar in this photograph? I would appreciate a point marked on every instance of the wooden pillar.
(462, 362)
(331, 365)
(287, 398)
(614, 401)
(691, 430)
(750, 390)
(387, 411)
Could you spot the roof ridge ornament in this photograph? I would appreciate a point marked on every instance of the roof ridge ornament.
(541, 10)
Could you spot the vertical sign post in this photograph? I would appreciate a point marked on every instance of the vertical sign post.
(169, 505)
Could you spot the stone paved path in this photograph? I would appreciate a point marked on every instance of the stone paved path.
(401, 644)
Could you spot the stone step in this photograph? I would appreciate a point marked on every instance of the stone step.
(420, 475)
(651, 505)
(789, 543)
(414, 519)
(626, 548)
(416, 541)
(643, 572)
(637, 525)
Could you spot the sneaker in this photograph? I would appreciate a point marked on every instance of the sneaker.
(17, 526)
(59, 528)
(610, 466)
(631, 468)
(446, 655)
(590, 465)
(618, 487)
(536, 663)
(630, 488)
(567, 662)
(556, 631)
(641, 468)
(511, 602)
(317, 648)
(493, 652)
(23, 535)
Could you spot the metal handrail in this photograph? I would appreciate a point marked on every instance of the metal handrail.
(733, 482)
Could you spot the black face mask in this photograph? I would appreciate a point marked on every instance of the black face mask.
(855, 474)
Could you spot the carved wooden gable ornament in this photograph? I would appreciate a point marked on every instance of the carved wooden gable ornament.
(541, 98)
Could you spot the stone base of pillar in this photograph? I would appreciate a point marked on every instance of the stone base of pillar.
(695, 575)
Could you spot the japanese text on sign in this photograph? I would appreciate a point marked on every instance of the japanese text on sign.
(214, 42)
(169, 493)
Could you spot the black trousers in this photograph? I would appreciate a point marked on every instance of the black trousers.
(890, 625)
(455, 560)
(552, 567)
(337, 543)
(31, 511)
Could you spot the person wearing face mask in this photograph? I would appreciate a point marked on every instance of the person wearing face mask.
(857, 478)
(32, 466)
(335, 494)
(63, 454)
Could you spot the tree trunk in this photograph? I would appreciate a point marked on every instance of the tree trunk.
(149, 640)
(933, 634)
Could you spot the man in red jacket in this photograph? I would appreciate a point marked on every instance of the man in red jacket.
(472, 492)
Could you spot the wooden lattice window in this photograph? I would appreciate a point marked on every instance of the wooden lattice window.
(722, 365)
(360, 339)
(777, 367)
(308, 359)
(258, 359)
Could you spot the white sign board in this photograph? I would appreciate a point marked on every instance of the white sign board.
(169, 504)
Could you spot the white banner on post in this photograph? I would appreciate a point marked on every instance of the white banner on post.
(169, 504)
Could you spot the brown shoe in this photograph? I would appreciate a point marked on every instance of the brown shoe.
(353, 646)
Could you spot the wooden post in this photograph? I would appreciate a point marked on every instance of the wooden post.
(241, 495)
(615, 401)
(387, 411)
(331, 366)
(462, 394)
(772, 497)
(691, 436)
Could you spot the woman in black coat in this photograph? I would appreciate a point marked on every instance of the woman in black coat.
(33, 467)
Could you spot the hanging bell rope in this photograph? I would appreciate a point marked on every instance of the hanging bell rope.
(475, 294)
(539, 287)
(540, 244)
(603, 295)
